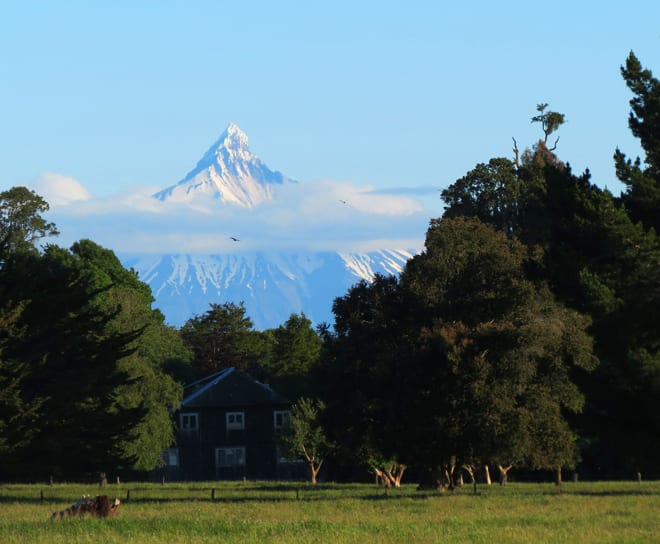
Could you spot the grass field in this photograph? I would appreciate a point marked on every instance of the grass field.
(233, 512)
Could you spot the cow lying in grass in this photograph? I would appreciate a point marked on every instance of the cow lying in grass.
(98, 506)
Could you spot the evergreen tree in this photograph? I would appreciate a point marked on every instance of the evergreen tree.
(128, 300)
(74, 354)
(642, 197)
(223, 337)
(293, 356)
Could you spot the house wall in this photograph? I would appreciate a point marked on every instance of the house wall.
(197, 450)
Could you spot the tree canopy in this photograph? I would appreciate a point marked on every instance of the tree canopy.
(221, 338)
(21, 220)
(527, 326)
(83, 393)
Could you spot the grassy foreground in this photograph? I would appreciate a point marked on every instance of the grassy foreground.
(264, 512)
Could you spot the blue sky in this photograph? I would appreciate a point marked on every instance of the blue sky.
(403, 97)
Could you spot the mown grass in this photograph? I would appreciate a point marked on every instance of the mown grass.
(261, 512)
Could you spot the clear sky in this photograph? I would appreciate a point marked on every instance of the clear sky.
(403, 96)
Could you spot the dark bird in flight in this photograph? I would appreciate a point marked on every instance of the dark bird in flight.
(234, 239)
(343, 201)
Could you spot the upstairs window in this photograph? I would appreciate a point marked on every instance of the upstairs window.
(281, 418)
(235, 421)
(188, 422)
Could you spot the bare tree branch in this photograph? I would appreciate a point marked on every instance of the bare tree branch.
(515, 150)
(554, 146)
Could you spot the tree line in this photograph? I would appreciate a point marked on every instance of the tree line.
(525, 335)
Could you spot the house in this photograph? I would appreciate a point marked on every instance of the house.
(227, 428)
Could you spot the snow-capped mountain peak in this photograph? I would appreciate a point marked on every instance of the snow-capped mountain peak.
(228, 172)
(233, 145)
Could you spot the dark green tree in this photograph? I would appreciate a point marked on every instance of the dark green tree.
(21, 220)
(294, 353)
(365, 377)
(75, 354)
(223, 337)
(17, 414)
(128, 300)
(597, 261)
(642, 197)
(466, 360)
(71, 370)
(497, 352)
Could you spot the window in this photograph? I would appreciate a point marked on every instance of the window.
(233, 456)
(188, 423)
(235, 421)
(283, 459)
(171, 457)
(281, 418)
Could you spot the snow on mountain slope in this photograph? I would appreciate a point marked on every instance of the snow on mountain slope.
(272, 286)
(228, 172)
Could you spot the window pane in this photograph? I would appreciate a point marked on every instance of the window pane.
(230, 457)
(235, 420)
(188, 422)
(281, 418)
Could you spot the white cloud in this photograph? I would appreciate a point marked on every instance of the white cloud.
(304, 216)
(58, 189)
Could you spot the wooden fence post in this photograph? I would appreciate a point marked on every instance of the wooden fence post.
(213, 493)
(128, 495)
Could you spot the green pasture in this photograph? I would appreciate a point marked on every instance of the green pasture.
(264, 512)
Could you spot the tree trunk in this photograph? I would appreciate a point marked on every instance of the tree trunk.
(473, 480)
(558, 478)
(470, 470)
(381, 477)
(390, 477)
(398, 471)
(449, 478)
(487, 471)
(314, 469)
(504, 474)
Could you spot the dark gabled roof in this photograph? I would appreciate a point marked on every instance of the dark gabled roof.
(229, 387)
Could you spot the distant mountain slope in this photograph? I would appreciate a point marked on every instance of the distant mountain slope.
(272, 286)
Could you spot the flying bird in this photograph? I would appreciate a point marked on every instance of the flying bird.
(234, 239)
(343, 201)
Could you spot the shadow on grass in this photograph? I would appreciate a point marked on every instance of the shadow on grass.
(612, 493)
(286, 494)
